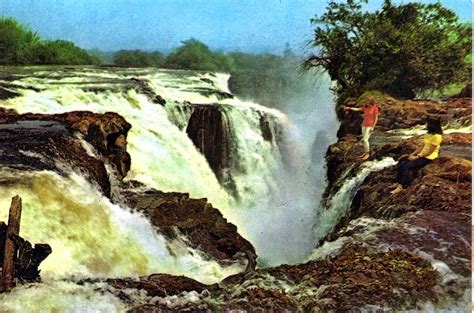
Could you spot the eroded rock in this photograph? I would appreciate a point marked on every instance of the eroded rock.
(203, 225)
(45, 142)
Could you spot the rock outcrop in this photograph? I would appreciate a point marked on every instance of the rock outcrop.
(357, 277)
(86, 141)
(204, 227)
(432, 215)
(209, 130)
(46, 142)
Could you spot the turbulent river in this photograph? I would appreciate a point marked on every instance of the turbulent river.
(274, 201)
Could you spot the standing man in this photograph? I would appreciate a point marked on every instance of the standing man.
(371, 114)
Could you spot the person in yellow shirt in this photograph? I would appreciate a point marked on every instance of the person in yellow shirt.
(426, 153)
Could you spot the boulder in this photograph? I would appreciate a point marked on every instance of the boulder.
(203, 225)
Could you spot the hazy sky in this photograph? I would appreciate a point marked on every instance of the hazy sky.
(244, 25)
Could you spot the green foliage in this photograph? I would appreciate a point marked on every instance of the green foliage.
(16, 42)
(137, 58)
(61, 52)
(21, 46)
(194, 55)
(376, 94)
(400, 49)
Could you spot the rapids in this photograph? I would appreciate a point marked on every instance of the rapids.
(88, 233)
(279, 182)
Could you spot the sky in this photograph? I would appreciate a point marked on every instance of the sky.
(227, 25)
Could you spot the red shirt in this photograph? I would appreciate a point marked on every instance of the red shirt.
(370, 114)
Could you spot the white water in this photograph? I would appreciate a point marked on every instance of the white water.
(279, 188)
(91, 237)
(341, 201)
(59, 296)
(276, 183)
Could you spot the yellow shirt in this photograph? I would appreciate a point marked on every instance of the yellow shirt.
(428, 141)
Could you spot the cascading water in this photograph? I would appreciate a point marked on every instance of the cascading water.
(88, 233)
(341, 201)
(278, 195)
(91, 238)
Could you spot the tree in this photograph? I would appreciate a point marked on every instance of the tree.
(21, 46)
(195, 55)
(399, 49)
(16, 42)
(61, 52)
(137, 58)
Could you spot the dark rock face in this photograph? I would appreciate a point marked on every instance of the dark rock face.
(141, 86)
(208, 92)
(7, 93)
(204, 226)
(209, 130)
(39, 141)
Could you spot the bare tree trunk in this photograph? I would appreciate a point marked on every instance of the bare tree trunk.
(8, 269)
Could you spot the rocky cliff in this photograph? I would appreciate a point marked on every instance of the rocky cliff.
(386, 252)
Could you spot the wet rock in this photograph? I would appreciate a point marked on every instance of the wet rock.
(355, 277)
(203, 226)
(142, 86)
(359, 276)
(209, 130)
(207, 81)
(208, 92)
(7, 93)
(160, 285)
(265, 127)
(39, 141)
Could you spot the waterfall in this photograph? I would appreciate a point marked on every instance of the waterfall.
(91, 237)
(273, 177)
(341, 201)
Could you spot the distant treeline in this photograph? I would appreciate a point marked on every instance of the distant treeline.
(21, 46)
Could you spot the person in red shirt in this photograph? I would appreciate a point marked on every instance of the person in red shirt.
(371, 114)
